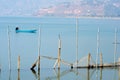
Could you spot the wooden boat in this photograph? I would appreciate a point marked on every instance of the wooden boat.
(26, 31)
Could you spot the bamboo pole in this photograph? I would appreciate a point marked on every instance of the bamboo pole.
(97, 52)
(34, 65)
(0, 63)
(18, 63)
(39, 42)
(38, 60)
(9, 49)
(77, 40)
(115, 47)
(101, 60)
(0, 66)
(59, 52)
(98, 40)
(89, 60)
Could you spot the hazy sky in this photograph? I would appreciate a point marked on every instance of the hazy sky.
(25, 7)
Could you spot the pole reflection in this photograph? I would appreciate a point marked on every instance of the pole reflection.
(18, 78)
(58, 74)
(114, 73)
(119, 73)
(0, 73)
(34, 73)
(88, 74)
(37, 75)
(78, 74)
(9, 74)
(84, 74)
(101, 74)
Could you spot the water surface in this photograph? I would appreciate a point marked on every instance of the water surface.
(26, 45)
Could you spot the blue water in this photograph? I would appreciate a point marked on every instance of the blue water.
(26, 44)
(62, 74)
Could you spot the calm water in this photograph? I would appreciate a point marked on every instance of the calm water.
(26, 45)
(62, 74)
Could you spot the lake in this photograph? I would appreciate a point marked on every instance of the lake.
(62, 74)
(26, 45)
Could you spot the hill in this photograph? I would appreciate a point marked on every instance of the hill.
(97, 8)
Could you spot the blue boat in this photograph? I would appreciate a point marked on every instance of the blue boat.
(26, 31)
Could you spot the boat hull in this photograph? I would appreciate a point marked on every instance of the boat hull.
(26, 31)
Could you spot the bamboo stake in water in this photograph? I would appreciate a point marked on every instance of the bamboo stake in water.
(98, 40)
(115, 48)
(9, 49)
(18, 75)
(0, 64)
(39, 43)
(89, 60)
(0, 67)
(59, 52)
(77, 40)
(101, 60)
(34, 65)
(18, 62)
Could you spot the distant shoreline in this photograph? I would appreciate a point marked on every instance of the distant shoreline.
(83, 17)
(91, 17)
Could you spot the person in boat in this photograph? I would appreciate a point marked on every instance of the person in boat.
(17, 28)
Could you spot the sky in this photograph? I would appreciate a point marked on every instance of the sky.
(25, 7)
